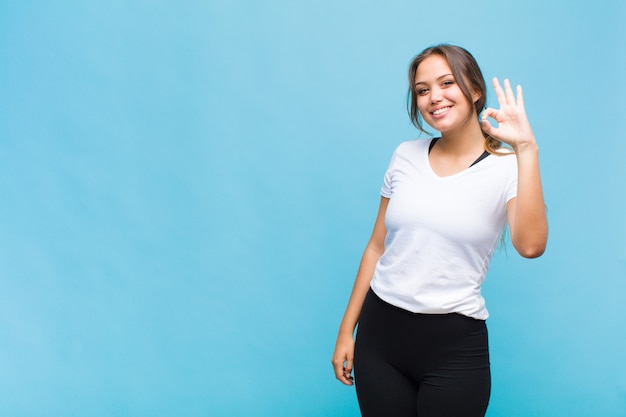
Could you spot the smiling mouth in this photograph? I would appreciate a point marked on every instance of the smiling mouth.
(441, 111)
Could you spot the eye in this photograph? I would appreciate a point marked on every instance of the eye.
(448, 83)
(422, 91)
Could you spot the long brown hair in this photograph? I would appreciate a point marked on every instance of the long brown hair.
(468, 76)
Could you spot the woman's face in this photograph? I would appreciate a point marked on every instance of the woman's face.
(440, 100)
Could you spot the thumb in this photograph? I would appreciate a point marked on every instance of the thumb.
(349, 366)
(488, 113)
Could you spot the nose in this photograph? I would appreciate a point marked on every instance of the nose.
(435, 95)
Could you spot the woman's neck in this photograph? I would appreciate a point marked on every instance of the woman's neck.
(465, 140)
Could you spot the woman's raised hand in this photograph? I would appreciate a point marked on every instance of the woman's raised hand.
(513, 126)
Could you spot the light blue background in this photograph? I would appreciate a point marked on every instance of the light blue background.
(186, 188)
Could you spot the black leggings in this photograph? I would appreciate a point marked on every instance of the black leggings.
(420, 365)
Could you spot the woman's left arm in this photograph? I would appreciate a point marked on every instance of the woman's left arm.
(526, 212)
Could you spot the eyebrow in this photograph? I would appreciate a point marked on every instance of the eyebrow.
(438, 78)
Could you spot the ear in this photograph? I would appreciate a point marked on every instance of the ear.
(476, 96)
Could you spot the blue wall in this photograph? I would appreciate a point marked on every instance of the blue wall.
(186, 189)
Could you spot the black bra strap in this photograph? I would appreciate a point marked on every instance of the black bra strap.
(432, 143)
(480, 158)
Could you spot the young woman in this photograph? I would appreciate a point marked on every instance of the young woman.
(421, 344)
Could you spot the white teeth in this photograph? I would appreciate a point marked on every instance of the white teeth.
(442, 110)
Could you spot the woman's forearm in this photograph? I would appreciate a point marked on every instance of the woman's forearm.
(529, 228)
(359, 290)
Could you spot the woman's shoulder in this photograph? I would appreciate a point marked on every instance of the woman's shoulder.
(505, 160)
(505, 154)
(413, 146)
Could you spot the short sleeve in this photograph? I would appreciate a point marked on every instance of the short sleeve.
(386, 189)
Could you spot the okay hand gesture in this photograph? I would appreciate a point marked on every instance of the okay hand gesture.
(513, 126)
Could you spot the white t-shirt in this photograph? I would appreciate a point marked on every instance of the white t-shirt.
(441, 231)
